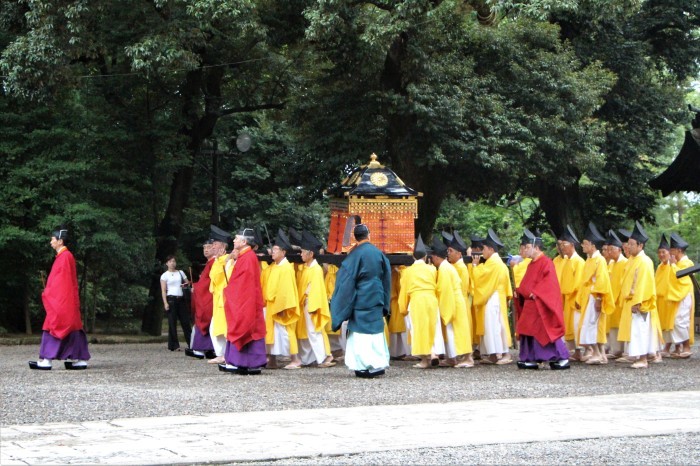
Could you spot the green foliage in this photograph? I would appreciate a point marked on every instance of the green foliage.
(69, 168)
(646, 104)
(678, 213)
(504, 113)
(688, 229)
(268, 185)
(453, 106)
(507, 219)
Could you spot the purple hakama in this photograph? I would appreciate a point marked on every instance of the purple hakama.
(74, 346)
(532, 351)
(252, 356)
(201, 342)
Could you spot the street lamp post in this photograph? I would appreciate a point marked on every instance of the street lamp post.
(215, 185)
(213, 150)
(243, 143)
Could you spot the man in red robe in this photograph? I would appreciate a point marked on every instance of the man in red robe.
(63, 337)
(245, 346)
(202, 308)
(540, 324)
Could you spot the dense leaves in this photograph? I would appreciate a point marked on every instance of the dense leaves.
(120, 119)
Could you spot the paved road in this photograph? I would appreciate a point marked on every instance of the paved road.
(336, 431)
(136, 392)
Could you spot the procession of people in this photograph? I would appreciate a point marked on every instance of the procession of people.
(449, 308)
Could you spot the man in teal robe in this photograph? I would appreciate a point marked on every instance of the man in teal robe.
(362, 297)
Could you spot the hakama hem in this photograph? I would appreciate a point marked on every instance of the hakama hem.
(201, 342)
(251, 356)
(532, 351)
(73, 346)
(366, 352)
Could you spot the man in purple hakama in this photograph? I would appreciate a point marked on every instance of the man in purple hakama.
(245, 346)
(63, 337)
(202, 305)
(540, 321)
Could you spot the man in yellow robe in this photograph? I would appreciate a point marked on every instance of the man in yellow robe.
(571, 270)
(595, 300)
(639, 321)
(558, 262)
(624, 237)
(418, 301)
(313, 341)
(456, 248)
(616, 269)
(453, 310)
(335, 338)
(219, 274)
(519, 266)
(475, 249)
(681, 299)
(604, 252)
(662, 279)
(281, 306)
(399, 345)
(492, 291)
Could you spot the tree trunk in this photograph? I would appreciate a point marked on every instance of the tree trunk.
(429, 205)
(152, 321)
(198, 127)
(426, 181)
(403, 153)
(169, 232)
(561, 207)
(25, 304)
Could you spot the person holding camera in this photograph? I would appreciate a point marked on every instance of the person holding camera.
(173, 282)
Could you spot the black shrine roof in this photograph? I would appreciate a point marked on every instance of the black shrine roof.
(370, 180)
(684, 172)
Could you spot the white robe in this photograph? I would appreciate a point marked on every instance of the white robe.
(366, 352)
(439, 342)
(450, 346)
(339, 341)
(217, 341)
(312, 349)
(281, 345)
(494, 340)
(643, 339)
(616, 346)
(681, 326)
(398, 342)
(589, 326)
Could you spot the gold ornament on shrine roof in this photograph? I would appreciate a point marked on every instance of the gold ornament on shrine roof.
(383, 201)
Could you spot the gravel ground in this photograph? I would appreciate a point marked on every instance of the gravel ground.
(140, 380)
(666, 449)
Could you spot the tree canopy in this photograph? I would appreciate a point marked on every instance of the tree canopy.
(119, 119)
